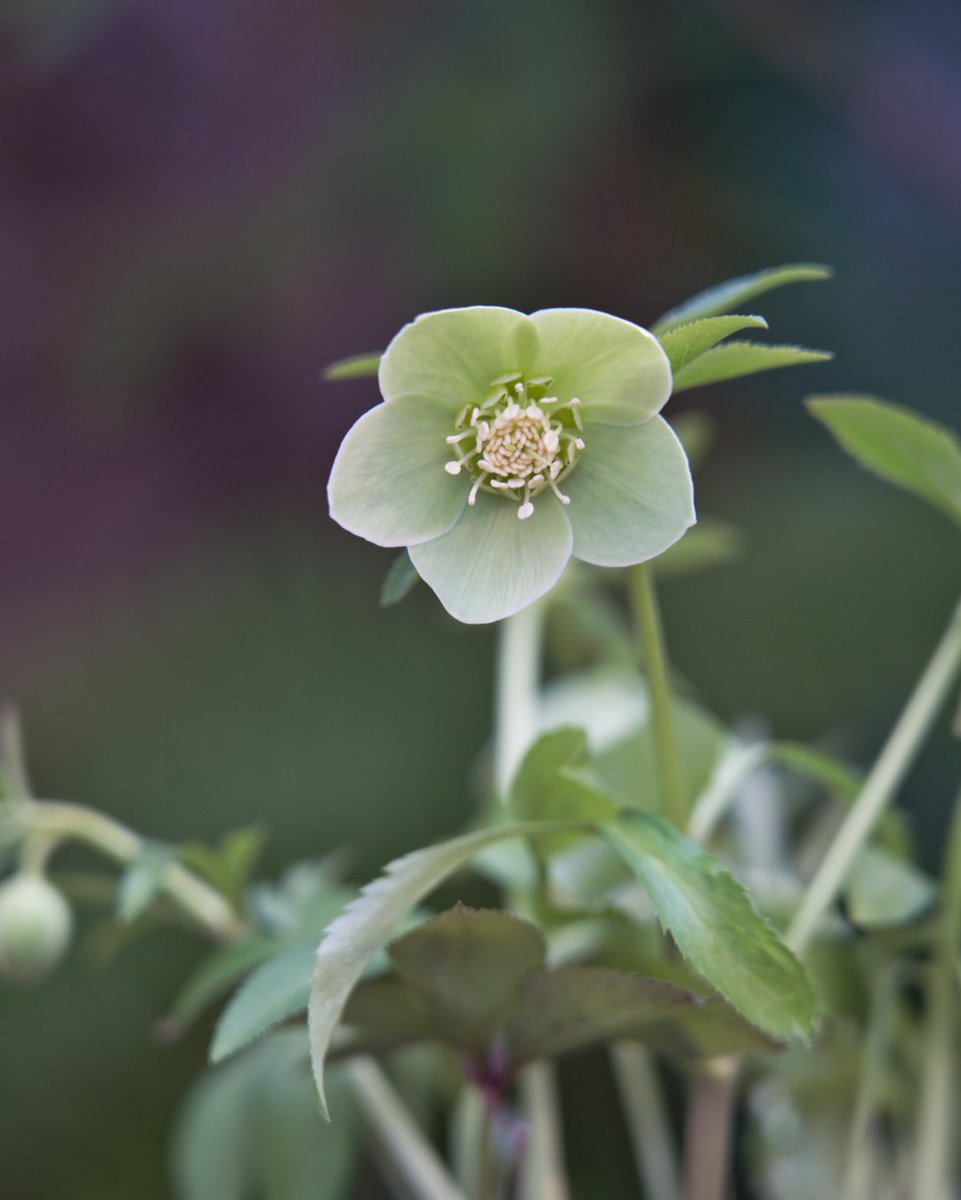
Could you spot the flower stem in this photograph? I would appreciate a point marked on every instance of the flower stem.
(411, 1159)
(881, 784)
(543, 1174)
(515, 700)
(648, 621)
(648, 1126)
(54, 821)
(935, 1117)
(707, 1137)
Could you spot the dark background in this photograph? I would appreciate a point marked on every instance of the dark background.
(203, 202)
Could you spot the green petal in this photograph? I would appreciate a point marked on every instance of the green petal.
(617, 370)
(388, 484)
(492, 564)
(455, 355)
(631, 494)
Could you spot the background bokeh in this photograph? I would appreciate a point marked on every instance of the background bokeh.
(202, 202)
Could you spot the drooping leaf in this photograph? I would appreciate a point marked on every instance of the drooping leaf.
(399, 580)
(468, 964)
(143, 881)
(897, 444)
(275, 991)
(370, 920)
(716, 926)
(882, 889)
(573, 1007)
(358, 366)
(684, 343)
(734, 359)
(736, 292)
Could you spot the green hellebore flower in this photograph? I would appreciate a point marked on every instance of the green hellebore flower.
(507, 444)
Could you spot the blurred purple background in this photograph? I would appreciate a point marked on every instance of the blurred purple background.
(203, 203)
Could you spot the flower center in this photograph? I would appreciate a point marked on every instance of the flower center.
(518, 441)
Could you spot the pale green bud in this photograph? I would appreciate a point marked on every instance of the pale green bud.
(35, 927)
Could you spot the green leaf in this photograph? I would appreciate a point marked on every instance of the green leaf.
(383, 1014)
(467, 964)
(399, 580)
(212, 979)
(735, 292)
(275, 991)
(251, 1129)
(833, 774)
(230, 863)
(684, 343)
(897, 444)
(734, 359)
(716, 926)
(143, 880)
(883, 889)
(358, 366)
(552, 785)
(370, 920)
(573, 1007)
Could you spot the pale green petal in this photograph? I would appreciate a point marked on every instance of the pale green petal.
(456, 354)
(617, 370)
(631, 494)
(388, 484)
(492, 564)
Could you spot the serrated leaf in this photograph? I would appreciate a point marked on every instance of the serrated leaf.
(734, 292)
(684, 343)
(358, 366)
(573, 1007)
(897, 444)
(275, 991)
(468, 964)
(213, 978)
(716, 926)
(143, 881)
(370, 920)
(735, 359)
(883, 890)
(400, 579)
(383, 1014)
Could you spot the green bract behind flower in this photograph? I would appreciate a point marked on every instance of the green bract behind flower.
(506, 444)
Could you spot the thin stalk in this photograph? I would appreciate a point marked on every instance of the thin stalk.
(881, 784)
(935, 1117)
(642, 1098)
(515, 699)
(411, 1159)
(543, 1174)
(648, 620)
(861, 1169)
(707, 1137)
(54, 821)
(485, 1152)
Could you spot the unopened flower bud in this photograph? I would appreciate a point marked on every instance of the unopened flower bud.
(35, 926)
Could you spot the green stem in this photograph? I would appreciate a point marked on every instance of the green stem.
(935, 1117)
(648, 619)
(648, 1125)
(485, 1152)
(880, 785)
(543, 1174)
(515, 700)
(410, 1159)
(53, 821)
